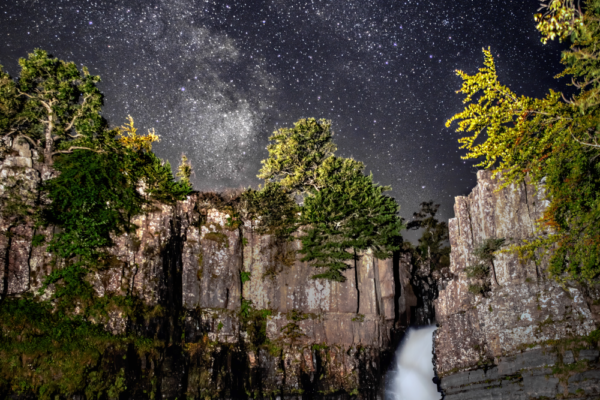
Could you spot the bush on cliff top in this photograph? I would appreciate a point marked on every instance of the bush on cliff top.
(56, 344)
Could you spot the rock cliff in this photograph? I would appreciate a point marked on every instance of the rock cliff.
(239, 313)
(527, 337)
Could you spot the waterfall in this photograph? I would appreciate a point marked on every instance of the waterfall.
(411, 377)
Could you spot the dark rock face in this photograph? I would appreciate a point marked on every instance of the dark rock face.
(527, 375)
(520, 340)
(280, 333)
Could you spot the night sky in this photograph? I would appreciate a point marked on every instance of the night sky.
(216, 78)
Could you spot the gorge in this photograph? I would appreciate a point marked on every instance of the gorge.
(235, 314)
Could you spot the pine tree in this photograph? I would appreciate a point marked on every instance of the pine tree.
(349, 213)
(344, 211)
(296, 154)
(433, 246)
(272, 209)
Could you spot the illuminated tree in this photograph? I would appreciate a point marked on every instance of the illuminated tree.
(553, 140)
(296, 154)
(53, 105)
(343, 210)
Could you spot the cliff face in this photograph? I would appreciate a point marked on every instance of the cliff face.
(528, 337)
(240, 313)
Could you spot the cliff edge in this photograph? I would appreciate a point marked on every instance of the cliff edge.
(524, 336)
(235, 314)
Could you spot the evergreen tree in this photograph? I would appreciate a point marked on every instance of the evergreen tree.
(184, 171)
(553, 140)
(433, 246)
(272, 209)
(296, 154)
(349, 213)
(343, 211)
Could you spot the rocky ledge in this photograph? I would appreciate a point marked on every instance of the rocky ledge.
(523, 336)
(533, 374)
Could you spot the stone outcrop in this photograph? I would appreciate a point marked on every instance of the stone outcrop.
(528, 337)
(240, 312)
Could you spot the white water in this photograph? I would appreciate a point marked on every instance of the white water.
(411, 378)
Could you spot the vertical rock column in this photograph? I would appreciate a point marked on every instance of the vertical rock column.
(498, 337)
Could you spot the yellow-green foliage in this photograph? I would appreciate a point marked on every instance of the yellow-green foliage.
(296, 154)
(560, 19)
(553, 140)
(131, 140)
(184, 171)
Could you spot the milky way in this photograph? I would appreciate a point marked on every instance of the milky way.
(215, 78)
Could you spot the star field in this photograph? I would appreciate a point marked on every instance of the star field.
(215, 78)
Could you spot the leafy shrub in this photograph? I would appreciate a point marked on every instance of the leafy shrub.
(478, 271)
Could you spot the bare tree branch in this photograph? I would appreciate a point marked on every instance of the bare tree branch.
(70, 150)
(25, 94)
(596, 145)
(28, 138)
(9, 133)
(78, 114)
(565, 99)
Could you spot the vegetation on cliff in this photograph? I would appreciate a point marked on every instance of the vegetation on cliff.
(433, 246)
(343, 211)
(555, 141)
(54, 342)
(68, 338)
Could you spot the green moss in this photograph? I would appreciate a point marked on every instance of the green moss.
(359, 318)
(245, 276)
(292, 330)
(274, 348)
(254, 322)
(234, 221)
(220, 238)
(38, 240)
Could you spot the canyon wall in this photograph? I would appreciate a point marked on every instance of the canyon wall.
(527, 337)
(238, 312)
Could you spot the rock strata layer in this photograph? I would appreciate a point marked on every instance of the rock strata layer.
(528, 336)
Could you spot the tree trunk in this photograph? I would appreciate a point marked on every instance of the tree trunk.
(494, 271)
(49, 149)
